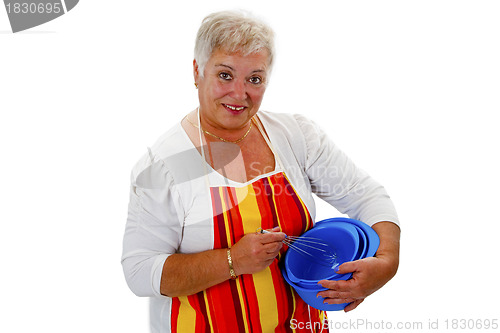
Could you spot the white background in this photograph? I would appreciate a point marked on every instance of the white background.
(409, 89)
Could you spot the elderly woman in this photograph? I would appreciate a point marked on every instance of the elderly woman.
(201, 192)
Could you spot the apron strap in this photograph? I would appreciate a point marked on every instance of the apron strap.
(203, 150)
(258, 122)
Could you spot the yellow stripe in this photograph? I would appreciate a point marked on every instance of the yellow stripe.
(264, 287)
(322, 317)
(207, 306)
(248, 204)
(242, 304)
(294, 302)
(225, 210)
(187, 316)
(266, 296)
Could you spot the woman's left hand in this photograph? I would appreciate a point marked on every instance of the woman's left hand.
(368, 274)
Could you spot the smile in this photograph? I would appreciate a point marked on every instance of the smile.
(234, 108)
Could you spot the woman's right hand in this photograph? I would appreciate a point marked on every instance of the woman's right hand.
(256, 251)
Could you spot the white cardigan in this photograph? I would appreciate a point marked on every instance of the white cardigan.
(170, 209)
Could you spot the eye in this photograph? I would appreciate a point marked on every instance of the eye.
(255, 80)
(225, 76)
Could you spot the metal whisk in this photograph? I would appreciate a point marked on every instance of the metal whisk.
(314, 248)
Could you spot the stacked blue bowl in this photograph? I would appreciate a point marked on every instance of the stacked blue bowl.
(347, 238)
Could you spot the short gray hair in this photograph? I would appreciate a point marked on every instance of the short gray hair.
(232, 31)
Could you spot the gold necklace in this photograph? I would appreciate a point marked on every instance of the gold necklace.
(218, 137)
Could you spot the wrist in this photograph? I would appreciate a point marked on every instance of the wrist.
(390, 262)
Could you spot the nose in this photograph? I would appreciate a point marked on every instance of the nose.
(239, 91)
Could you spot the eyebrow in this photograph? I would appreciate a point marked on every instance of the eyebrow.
(231, 68)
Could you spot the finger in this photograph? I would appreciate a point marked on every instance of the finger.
(273, 248)
(270, 261)
(353, 305)
(337, 285)
(265, 263)
(339, 300)
(272, 237)
(335, 295)
(267, 231)
(347, 267)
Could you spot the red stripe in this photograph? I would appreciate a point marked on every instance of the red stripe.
(211, 302)
(222, 312)
(174, 315)
(283, 297)
(237, 306)
(251, 303)
(220, 239)
(234, 216)
(269, 196)
(228, 314)
(293, 207)
(267, 221)
(202, 324)
(295, 204)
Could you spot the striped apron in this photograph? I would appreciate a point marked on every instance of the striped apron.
(260, 302)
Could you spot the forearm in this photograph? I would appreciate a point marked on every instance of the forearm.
(187, 274)
(388, 250)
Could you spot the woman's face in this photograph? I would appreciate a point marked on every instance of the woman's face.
(231, 89)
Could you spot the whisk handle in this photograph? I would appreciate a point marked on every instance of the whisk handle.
(262, 231)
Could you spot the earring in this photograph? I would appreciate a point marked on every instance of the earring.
(196, 85)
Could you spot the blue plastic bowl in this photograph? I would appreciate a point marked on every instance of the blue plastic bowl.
(362, 250)
(309, 296)
(367, 246)
(373, 241)
(343, 240)
(312, 285)
(363, 244)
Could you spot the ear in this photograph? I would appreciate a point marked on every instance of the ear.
(196, 72)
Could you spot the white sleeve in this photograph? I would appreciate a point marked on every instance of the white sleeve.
(153, 229)
(336, 179)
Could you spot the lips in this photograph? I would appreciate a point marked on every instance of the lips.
(234, 109)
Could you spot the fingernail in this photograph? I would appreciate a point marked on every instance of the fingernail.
(336, 268)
